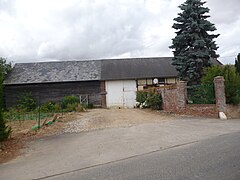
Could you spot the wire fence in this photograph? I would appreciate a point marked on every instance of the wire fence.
(201, 94)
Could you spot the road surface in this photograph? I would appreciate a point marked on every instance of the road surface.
(217, 158)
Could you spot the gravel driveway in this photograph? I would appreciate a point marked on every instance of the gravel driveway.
(111, 118)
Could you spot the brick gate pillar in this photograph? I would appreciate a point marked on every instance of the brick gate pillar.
(182, 95)
(220, 94)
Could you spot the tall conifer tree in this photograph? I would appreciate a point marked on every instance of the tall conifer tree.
(193, 46)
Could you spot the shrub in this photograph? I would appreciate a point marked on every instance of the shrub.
(151, 100)
(70, 100)
(50, 107)
(141, 96)
(47, 107)
(232, 81)
(5, 130)
(71, 107)
(26, 102)
(154, 100)
(201, 94)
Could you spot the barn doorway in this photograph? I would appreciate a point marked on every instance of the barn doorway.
(121, 93)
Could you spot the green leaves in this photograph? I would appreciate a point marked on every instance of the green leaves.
(26, 102)
(4, 129)
(232, 81)
(5, 67)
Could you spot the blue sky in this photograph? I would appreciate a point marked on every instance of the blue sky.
(41, 30)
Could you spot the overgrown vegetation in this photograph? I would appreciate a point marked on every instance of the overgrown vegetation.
(193, 45)
(27, 108)
(149, 99)
(201, 94)
(26, 102)
(4, 129)
(232, 81)
(70, 101)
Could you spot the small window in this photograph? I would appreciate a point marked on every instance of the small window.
(141, 82)
(149, 82)
(161, 80)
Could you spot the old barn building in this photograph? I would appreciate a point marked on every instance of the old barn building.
(54, 80)
(107, 83)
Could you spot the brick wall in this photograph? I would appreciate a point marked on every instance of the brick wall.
(233, 111)
(174, 100)
(203, 110)
(169, 96)
(174, 97)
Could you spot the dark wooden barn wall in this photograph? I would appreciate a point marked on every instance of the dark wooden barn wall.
(54, 91)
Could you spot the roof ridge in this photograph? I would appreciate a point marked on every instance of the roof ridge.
(91, 60)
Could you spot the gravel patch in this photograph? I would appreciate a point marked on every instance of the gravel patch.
(77, 126)
(111, 118)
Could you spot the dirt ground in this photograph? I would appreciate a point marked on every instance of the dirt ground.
(111, 118)
(21, 133)
(77, 122)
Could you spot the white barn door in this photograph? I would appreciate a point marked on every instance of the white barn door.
(121, 93)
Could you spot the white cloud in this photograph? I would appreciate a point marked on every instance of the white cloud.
(92, 29)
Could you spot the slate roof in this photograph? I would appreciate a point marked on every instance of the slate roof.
(61, 71)
(105, 69)
(133, 68)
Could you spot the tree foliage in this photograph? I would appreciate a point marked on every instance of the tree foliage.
(26, 102)
(232, 81)
(5, 67)
(193, 46)
(4, 129)
(237, 64)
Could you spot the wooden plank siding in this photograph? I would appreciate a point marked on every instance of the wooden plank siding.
(54, 91)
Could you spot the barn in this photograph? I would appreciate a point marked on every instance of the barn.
(54, 80)
(106, 82)
(122, 78)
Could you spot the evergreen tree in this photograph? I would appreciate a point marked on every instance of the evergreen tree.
(4, 129)
(193, 46)
(237, 64)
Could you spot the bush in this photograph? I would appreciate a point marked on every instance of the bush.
(47, 107)
(141, 96)
(70, 100)
(71, 107)
(26, 102)
(232, 81)
(50, 107)
(151, 100)
(201, 94)
(154, 100)
(5, 130)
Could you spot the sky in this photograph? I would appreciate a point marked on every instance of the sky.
(43, 30)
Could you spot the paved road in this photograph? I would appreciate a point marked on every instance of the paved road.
(69, 152)
(216, 159)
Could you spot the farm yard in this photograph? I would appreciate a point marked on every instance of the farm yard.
(76, 122)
